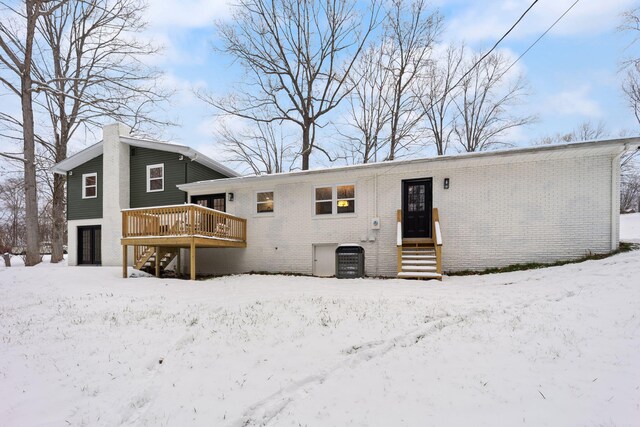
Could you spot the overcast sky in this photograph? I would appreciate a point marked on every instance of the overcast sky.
(573, 72)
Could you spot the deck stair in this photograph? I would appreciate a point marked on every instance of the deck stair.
(148, 257)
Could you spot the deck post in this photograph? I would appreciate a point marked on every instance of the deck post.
(124, 261)
(157, 261)
(178, 263)
(192, 255)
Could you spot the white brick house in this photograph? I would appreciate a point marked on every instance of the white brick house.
(414, 218)
(535, 204)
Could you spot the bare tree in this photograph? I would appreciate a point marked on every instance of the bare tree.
(384, 106)
(631, 88)
(585, 131)
(630, 193)
(12, 213)
(410, 34)
(17, 40)
(87, 66)
(486, 99)
(90, 67)
(368, 108)
(264, 148)
(297, 56)
(631, 83)
(441, 93)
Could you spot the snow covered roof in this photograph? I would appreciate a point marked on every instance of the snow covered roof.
(95, 150)
(572, 149)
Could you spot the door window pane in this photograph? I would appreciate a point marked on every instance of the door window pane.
(416, 198)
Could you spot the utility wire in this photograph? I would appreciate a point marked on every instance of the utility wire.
(489, 51)
(541, 36)
(512, 64)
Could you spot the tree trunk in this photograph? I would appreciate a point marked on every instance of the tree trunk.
(306, 147)
(30, 189)
(57, 206)
(7, 259)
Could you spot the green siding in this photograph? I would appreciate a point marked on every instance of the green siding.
(175, 171)
(197, 172)
(77, 207)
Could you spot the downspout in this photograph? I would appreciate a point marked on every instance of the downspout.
(615, 176)
(375, 195)
(375, 215)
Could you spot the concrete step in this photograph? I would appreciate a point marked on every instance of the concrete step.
(418, 257)
(419, 275)
(419, 262)
(418, 268)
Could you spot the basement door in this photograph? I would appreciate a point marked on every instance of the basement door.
(324, 259)
(89, 245)
(416, 208)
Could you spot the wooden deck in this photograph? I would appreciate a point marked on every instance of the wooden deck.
(152, 230)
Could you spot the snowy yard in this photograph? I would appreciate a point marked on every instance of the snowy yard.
(630, 227)
(557, 346)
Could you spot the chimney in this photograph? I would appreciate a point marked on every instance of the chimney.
(115, 190)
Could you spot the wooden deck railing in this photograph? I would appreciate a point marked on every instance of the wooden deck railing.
(399, 238)
(437, 239)
(182, 220)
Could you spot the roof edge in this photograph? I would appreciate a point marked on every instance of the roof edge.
(625, 144)
(82, 156)
(96, 149)
(180, 149)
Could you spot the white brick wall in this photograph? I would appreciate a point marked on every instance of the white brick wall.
(115, 191)
(72, 237)
(498, 211)
(115, 197)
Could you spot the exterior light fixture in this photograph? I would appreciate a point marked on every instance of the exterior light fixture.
(446, 183)
(181, 157)
(231, 197)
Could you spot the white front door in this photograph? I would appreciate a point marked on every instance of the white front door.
(324, 259)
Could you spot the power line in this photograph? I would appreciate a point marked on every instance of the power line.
(513, 63)
(541, 36)
(492, 49)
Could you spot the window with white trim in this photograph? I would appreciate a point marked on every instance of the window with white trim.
(89, 185)
(264, 202)
(155, 177)
(335, 199)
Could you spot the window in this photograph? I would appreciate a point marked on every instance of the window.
(337, 199)
(264, 202)
(346, 198)
(324, 201)
(89, 185)
(155, 178)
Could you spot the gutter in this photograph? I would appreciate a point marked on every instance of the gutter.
(384, 167)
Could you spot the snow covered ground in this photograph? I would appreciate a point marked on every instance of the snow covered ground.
(549, 347)
(630, 227)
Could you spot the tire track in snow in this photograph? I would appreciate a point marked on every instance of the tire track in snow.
(265, 410)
